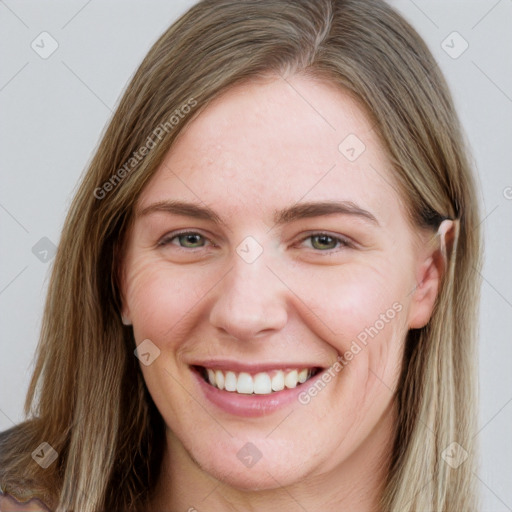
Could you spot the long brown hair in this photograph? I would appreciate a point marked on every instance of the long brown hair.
(87, 397)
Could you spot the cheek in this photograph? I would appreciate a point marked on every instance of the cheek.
(361, 311)
(160, 298)
(351, 300)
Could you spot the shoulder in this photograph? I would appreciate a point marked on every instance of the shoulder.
(10, 504)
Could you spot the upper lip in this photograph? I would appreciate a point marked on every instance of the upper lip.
(237, 366)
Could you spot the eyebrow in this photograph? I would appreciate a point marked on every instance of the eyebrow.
(292, 213)
(322, 208)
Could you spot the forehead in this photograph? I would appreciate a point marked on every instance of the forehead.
(275, 142)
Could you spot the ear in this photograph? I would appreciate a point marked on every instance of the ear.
(126, 319)
(430, 273)
(119, 284)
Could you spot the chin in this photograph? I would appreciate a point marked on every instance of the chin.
(241, 465)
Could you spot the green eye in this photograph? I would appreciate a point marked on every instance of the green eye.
(323, 242)
(190, 240)
(187, 240)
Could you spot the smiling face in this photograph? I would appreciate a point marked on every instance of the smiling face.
(263, 251)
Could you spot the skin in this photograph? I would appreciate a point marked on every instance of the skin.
(258, 148)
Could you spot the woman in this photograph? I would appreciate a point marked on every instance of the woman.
(263, 296)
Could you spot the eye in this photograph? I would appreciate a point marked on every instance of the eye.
(184, 240)
(324, 242)
(321, 242)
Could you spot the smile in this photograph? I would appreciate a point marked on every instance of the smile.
(261, 383)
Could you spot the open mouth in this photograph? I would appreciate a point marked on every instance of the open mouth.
(262, 383)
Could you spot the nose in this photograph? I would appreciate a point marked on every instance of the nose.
(251, 301)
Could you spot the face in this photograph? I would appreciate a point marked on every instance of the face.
(275, 274)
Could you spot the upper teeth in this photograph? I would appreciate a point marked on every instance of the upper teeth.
(262, 383)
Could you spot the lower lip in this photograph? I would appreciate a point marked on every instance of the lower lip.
(250, 406)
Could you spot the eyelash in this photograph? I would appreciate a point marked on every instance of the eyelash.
(343, 242)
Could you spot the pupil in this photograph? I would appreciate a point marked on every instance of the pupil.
(324, 239)
(191, 239)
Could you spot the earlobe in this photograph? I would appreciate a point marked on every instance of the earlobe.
(125, 315)
(431, 273)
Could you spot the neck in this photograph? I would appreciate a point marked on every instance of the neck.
(356, 483)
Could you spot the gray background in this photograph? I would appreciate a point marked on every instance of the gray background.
(53, 112)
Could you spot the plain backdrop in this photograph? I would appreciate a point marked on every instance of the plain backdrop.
(54, 108)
